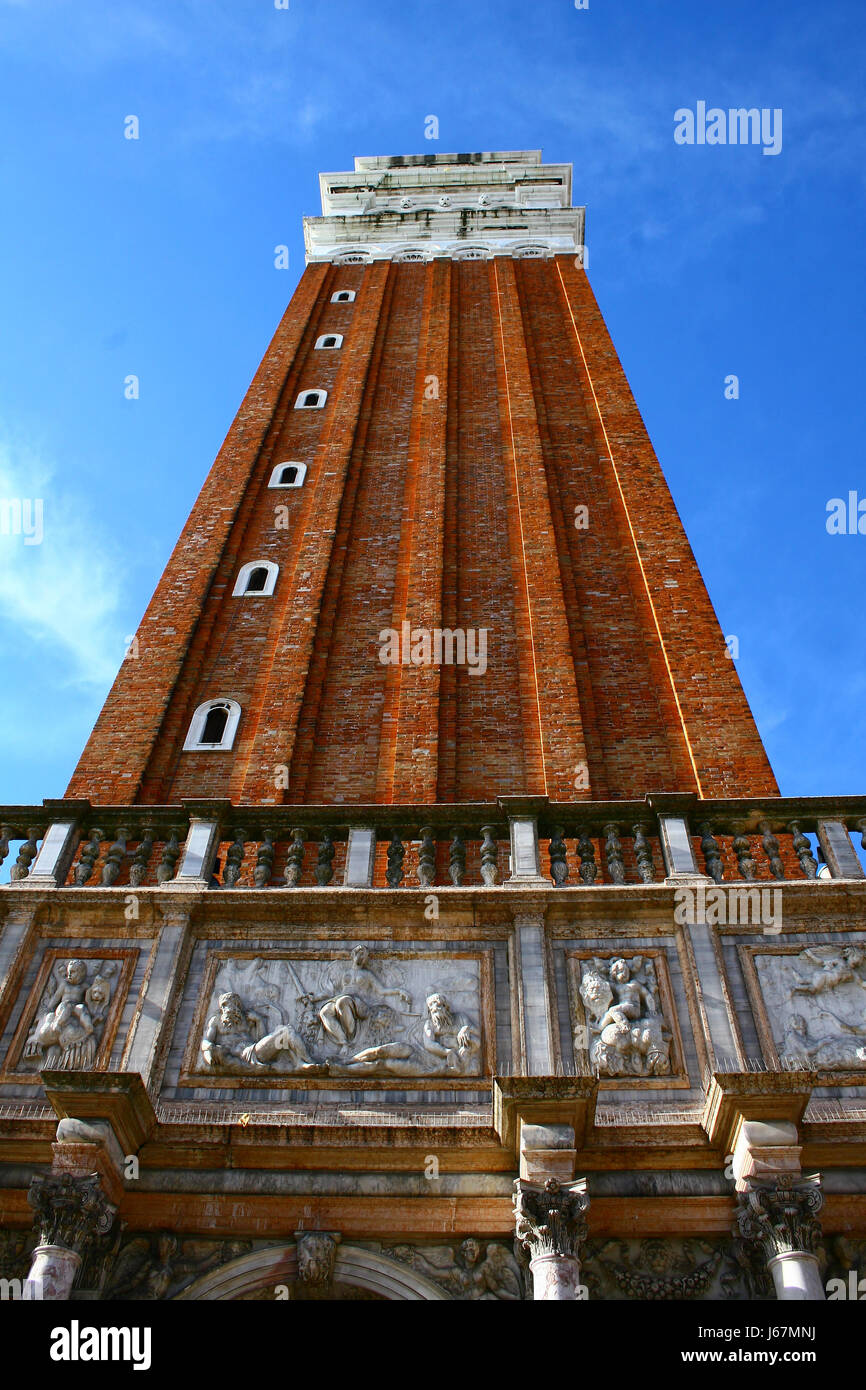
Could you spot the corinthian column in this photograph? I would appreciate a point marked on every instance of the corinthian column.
(551, 1224)
(71, 1212)
(780, 1216)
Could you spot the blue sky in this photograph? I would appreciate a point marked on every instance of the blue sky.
(155, 258)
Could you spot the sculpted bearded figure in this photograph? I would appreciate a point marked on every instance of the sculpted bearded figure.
(448, 1039)
(235, 1041)
(447, 1035)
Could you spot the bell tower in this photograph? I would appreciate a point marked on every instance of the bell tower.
(439, 440)
(422, 920)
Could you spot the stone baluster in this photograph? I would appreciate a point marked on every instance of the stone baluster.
(550, 1221)
(170, 856)
(457, 857)
(779, 1216)
(295, 858)
(613, 853)
(586, 850)
(489, 856)
(325, 861)
(115, 857)
(643, 853)
(558, 852)
(743, 851)
(396, 855)
(264, 861)
(26, 854)
(141, 858)
(803, 850)
(860, 827)
(426, 857)
(5, 836)
(88, 857)
(72, 1212)
(771, 848)
(234, 859)
(712, 854)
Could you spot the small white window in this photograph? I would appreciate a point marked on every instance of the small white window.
(343, 297)
(258, 577)
(311, 400)
(330, 340)
(213, 727)
(288, 475)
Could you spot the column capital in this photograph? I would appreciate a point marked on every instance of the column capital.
(550, 1217)
(780, 1215)
(71, 1211)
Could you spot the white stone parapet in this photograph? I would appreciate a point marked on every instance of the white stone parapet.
(467, 207)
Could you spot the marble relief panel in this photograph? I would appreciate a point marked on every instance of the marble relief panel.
(71, 1015)
(809, 1004)
(624, 1022)
(290, 1016)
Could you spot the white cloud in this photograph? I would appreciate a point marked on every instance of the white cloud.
(59, 599)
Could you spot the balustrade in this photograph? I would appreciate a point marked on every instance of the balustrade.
(583, 845)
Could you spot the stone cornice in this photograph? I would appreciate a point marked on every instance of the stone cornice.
(451, 206)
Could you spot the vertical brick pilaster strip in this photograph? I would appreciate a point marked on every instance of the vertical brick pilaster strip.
(724, 747)
(114, 760)
(285, 680)
(409, 741)
(555, 744)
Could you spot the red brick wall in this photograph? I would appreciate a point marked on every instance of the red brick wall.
(112, 767)
(448, 511)
(696, 683)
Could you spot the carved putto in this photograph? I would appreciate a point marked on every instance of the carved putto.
(159, 1266)
(816, 1001)
(66, 1035)
(351, 1016)
(469, 1272)
(627, 1035)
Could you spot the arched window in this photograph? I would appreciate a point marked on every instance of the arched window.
(311, 400)
(258, 577)
(330, 340)
(213, 726)
(343, 297)
(288, 475)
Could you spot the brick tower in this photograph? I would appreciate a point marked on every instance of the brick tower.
(425, 850)
(463, 454)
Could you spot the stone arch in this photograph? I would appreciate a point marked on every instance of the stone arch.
(277, 1264)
